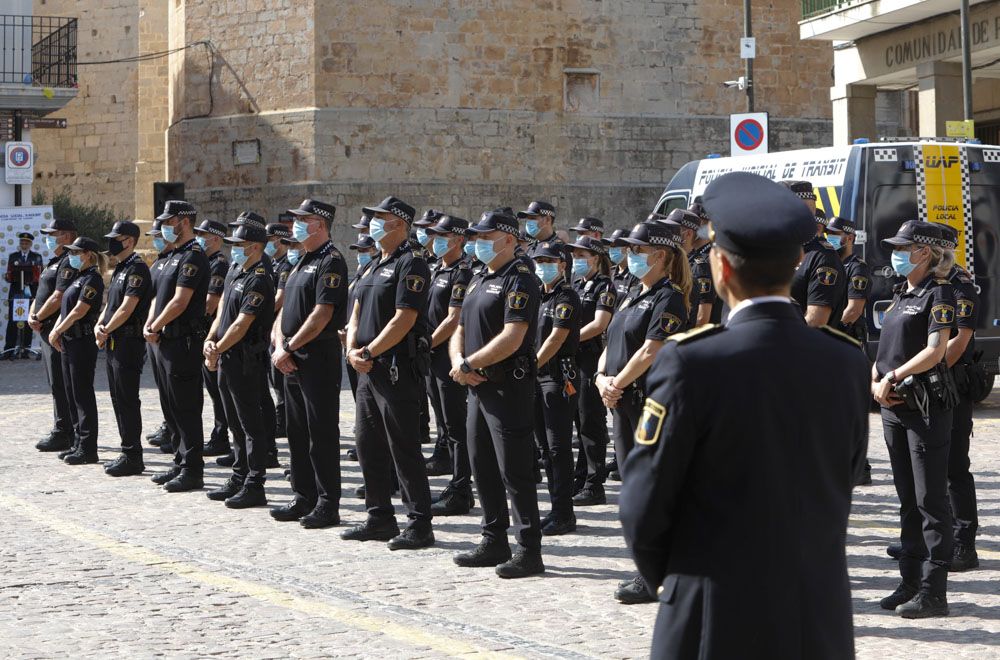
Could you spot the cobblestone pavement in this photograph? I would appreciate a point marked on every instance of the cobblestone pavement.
(102, 567)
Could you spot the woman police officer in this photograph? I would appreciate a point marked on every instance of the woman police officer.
(910, 383)
(73, 336)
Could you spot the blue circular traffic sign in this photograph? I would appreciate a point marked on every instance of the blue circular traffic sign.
(749, 134)
(20, 157)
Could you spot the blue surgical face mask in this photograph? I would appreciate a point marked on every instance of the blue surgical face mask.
(239, 255)
(901, 263)
(294, 256)
(169, 233)
(485, 250)
(440, 246)
(363, 259)
(470, 248)
(531, 226)
(202, 243)
(703, 232)
(270, 249)
(51, 243)
(422, 237)
(547, 272)
(638, 264)
(580, 267)
(300, 230)
(75, 261)
(836, 241)
(377, 229)
(616, 254)
(159, 244)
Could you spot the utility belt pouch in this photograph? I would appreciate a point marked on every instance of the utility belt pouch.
(914, 394)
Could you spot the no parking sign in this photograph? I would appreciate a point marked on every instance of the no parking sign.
(748, 134)
(19, 165)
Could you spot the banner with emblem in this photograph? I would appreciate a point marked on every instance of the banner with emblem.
(13, 221)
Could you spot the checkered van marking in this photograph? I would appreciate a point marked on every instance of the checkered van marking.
(991, 155)
(918, 156)
(883, 155)
(967, 210)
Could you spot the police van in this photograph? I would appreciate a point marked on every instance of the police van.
(879, 186)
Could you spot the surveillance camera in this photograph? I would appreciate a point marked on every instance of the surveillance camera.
(740, 83)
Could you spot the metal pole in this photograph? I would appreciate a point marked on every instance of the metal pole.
(966, 60)
(748, 32)
(17, 138)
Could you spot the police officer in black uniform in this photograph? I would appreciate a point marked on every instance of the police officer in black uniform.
(73, 336)
(557, 340)
(540, 225)
(705, 304)
(388, 344)
(820, 285)
(621, 277)
(365, 248)
(176, 325)
(911, 382)
(450, 279)
(841, 234)
(278, 237)
(592, 227)
(236, 348)
(651, 311)
(209, 235)
(733, 489)
(24, 268)
(593, 284)
(119, 333)
(166, 436)
(493, 352)
(307, 352)
(42, 317)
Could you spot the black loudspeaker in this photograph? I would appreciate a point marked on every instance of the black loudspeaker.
(164, 191)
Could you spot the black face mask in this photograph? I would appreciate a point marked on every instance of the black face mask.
(115, 247)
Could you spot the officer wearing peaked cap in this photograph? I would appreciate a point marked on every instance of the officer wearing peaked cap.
(592, 227)
(705, 305)
(365, 248)
(166, 437)
(540, 225)
(841, 234)
(693, 464)
(620, 275)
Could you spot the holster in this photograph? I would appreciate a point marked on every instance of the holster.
(419, 351)
(516, 368)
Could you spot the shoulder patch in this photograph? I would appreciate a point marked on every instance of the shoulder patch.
(254, 299)
(607, 299)
(859, 283)
(943, 313)
(331, 280)
(521, 268)
(942, 281)
(647, 432)
(704, 285)
(827, 276)
(218, 280)
(564, 311)
(134, 281)
(89, 292)
(414, 283)
(517, 299)
(843, 336)
(670, 323)
(964, 308)
(189, 270)
(706, 330)
(458, 292)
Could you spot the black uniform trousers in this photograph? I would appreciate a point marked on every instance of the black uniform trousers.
(240, 377)
(52, 360)
(918, 453)
(554, 413)
(961, 484)
(625, 419)
(442, 445)
(591, 424)
(79, 362)
(125, 359)
(502, 451)
(153, 353)
(181, 376)
(387, 418)
(267, 407)
(312, 409)
(13, 330)
(276, 380)
(450, 403)
(220, 425)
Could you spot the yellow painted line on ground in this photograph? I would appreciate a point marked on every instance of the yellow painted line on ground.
(875, 526)
(138, 554)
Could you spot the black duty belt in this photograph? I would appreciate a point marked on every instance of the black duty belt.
(177, 329)
(79, 330)
(127, 331)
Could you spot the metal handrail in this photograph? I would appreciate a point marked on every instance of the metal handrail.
(814, 8)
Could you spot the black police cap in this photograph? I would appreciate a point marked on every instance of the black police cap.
(493, 221)
(755, 217)
(656, 234)
(279, 230)
(683, 218)
(315, 207)
(590, 243)
(820, 216)
(548, 250)
(450, 224)
(364, 242)
(589, 224)
(213, 227)
(155, 229)
(698, 208)
(247, 233)
(616, 239)
(802, 189)
(842, 225)
(914, 231)
(536, 209)
(949, 236)
(429, 218)
(26, 236)
(58, 224)
(123, 228)
(394, 206)
(83, 243)
(250, 219)
(364, 222)
(176, 207)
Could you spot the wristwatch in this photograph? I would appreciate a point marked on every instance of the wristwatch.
(366, 354)
(891, 377)
(598, 375)
(285, 346)
(466, 367)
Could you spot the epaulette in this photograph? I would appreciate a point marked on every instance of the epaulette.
(462, 264)
(521, 268)
(842, 336)
(260, 270)
(706, 330)
(941, 281)
(677, 288)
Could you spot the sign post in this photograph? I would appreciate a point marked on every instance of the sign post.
(19, 167)
(748, 134)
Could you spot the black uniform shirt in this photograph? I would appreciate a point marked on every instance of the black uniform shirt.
(560, 308)
(820, 280)
(67, 274)
(655, 314)
(130, 278)
(187, 267)
(87, 287)
(352, 288)
(58, 275)
(912, 316)
(398, 281)
(448, 286)
(320, 278)
(596, 294)
(859, 278)
(282, 267)
(966, 307)
(703, 287)
(623, 281)
(218, 266)
(157, 268)
(508, 295)
(248, 292)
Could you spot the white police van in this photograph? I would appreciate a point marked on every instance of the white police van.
(879, 186)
